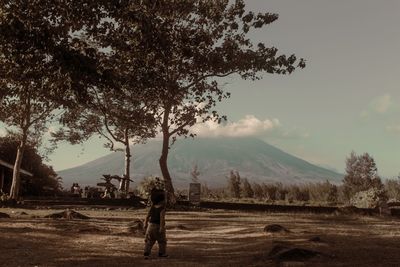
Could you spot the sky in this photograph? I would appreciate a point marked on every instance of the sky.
(347, 98)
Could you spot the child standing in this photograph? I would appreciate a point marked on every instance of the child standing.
(155, 225)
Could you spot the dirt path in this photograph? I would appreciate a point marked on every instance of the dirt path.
(212, 238)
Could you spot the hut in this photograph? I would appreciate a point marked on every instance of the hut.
(6, 170)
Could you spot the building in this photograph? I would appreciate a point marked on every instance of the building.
(6, 171)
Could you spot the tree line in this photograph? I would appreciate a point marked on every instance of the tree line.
(124, 70)
(361, 182)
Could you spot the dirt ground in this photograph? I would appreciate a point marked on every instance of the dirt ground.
(197, 238)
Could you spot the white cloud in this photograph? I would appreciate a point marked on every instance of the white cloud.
(248, 126)
(382, 104)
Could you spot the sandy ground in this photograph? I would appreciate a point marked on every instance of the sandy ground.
(201, 238)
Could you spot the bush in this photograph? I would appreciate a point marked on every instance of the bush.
(148, 184)
(323, 192)
(370, 198)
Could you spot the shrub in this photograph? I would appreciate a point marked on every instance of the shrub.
(148, 184)
(370, 198)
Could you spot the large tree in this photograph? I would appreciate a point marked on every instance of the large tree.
(42, 67)
(189, 46)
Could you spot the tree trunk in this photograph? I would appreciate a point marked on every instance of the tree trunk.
(164, 161)
(16, 181)
(127, 167)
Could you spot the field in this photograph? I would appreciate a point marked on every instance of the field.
(199, 238)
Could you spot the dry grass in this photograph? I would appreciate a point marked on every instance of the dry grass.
(212, 238)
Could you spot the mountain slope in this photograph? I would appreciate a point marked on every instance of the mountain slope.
(215, 158)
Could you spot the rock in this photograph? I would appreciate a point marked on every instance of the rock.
(68, 214)
(4, 215)
(275, 228)
(282, 253)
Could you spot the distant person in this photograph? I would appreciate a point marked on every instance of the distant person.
(155, 225)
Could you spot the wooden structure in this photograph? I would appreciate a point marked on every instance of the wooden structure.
(4, 170)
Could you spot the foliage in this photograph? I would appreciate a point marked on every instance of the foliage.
(323, 192)
(392, 187)
(175, 52)
(370, 198)
(187, 46)
(148, 184)
(297, 193)
(234, 183)
(258, 191)
(361, 175)
(37, 67)
(247, 189)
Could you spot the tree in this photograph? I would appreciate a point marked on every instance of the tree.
(361, 175)
(247, 189)
(26, 111)
(120, 117)
(41, 66)
(392, 187)
(234, 183)
(192, 44)
(258, 191)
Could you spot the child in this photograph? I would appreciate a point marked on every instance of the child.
(155, 225)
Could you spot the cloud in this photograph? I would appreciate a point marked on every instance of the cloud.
(379, 105)
(382, 104)
(393, 129)
(249, 126)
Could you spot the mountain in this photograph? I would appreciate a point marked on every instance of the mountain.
(215, 158)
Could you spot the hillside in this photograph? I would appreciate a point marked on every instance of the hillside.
(215, 158)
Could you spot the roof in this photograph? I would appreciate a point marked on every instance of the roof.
(8, 165)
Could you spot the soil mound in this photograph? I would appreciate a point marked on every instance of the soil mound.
(282, 253)
(4, 215)
(275, 228)
(136, 227)
(67, 214)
